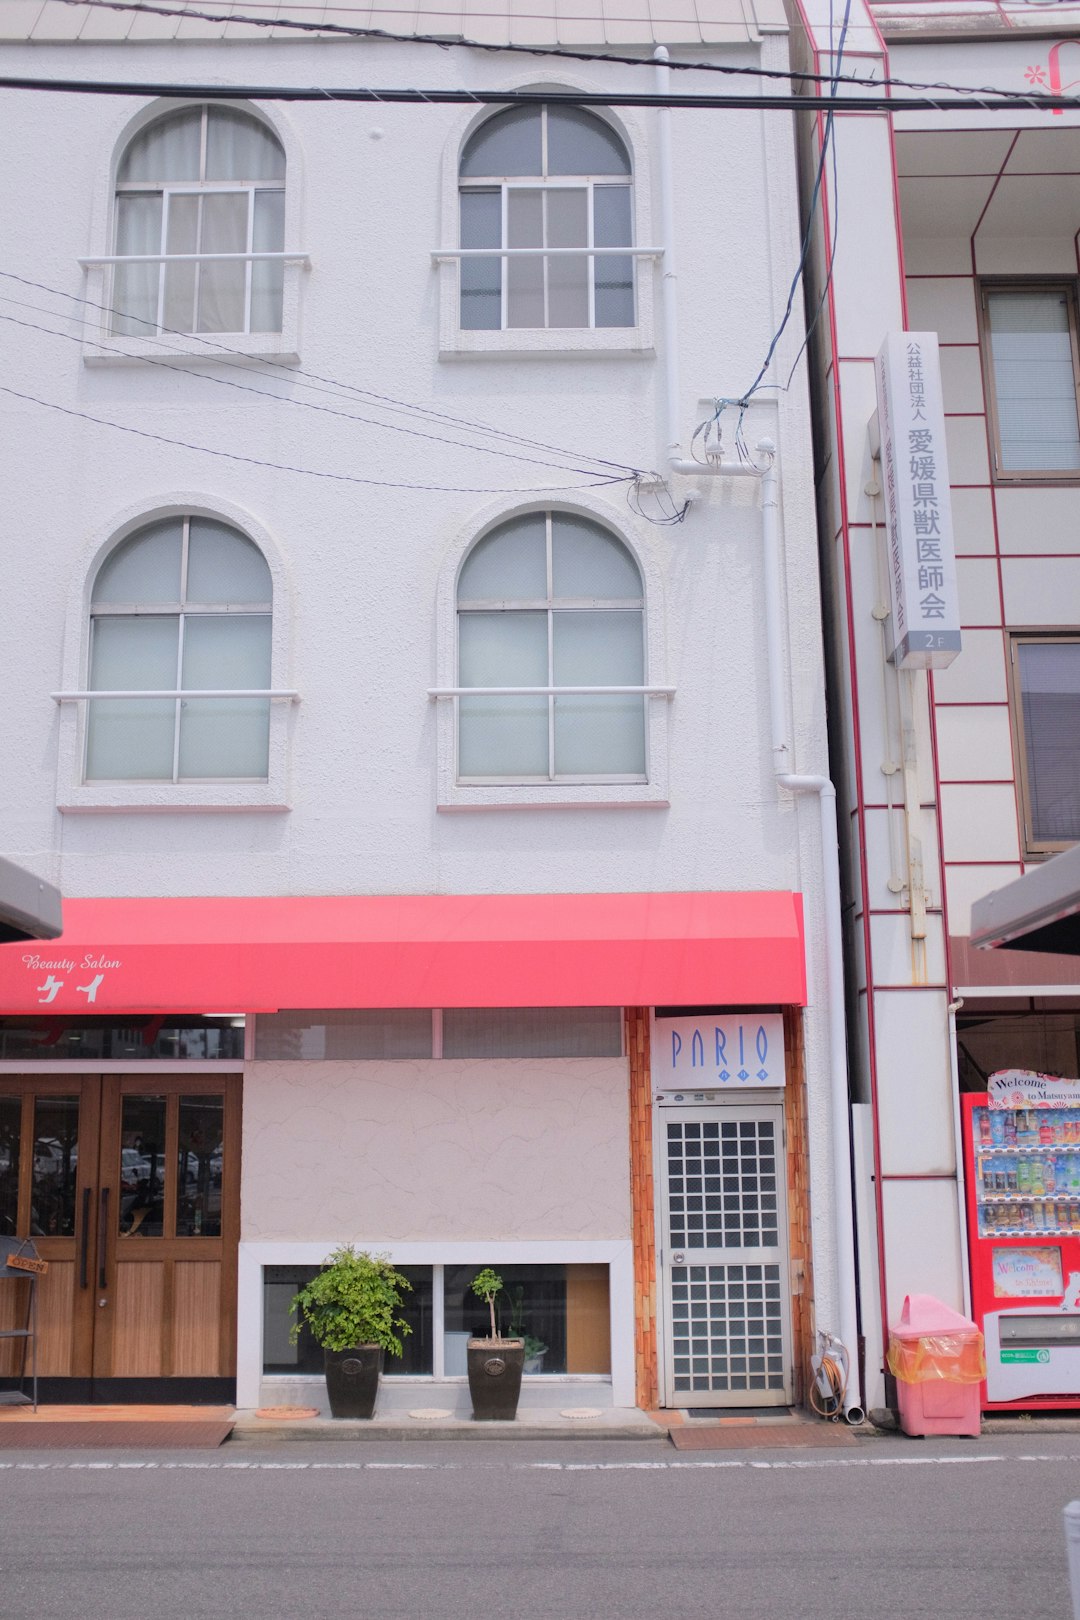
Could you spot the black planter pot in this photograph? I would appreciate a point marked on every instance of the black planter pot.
(495, 1378)
(352, 1380)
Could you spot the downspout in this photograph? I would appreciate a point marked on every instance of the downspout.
(714, 466)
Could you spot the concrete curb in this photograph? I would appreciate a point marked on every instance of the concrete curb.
(254, 1431)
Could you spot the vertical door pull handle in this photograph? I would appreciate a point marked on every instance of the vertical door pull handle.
(84, 1244)
(103, 1235)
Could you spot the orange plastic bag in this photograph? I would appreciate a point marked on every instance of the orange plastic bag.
(955, 1357)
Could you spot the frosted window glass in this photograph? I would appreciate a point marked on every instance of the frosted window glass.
(134, 653)
(167, 150)
(525, 277)
(507, 565)
(1050, 683)
(580, 143)
(613, 277)
(223, 737)
(222, 650)
(587, 561)
(132, 737)
(223, 285)
(239, 147)
(224, 566)
(268, 276)
(1034, 381)
(135, 286)
(503, 649)
(181, 236)
(481, 279)
(507, 144)
(130, 740)
(508, 1032)
(144, 569)
(568, 277)
(602, 735)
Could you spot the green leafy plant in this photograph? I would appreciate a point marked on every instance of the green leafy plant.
(353, 1301)
(518, 1330)
(487, 1285)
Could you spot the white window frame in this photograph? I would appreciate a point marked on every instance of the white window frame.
(103, 346)
(530, 793)
(617, 1255)
(74, 795)
(455, 341)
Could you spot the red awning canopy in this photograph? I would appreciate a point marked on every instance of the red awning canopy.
(527, 950)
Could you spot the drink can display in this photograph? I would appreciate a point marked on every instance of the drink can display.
(1049, 1177)
(997, 1126)
(985, 1137)
(1023, 1175)
(1012, 1177)
(1075, 1217)
(1046, 1128)
(1011, 1126)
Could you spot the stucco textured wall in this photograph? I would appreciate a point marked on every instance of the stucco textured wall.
(437, 1150)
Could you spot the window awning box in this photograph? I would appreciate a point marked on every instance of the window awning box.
(1037, 912)
(239, 955)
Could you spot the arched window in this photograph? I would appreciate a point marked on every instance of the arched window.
(192, 186)
(556, 181)
(183, 605)
(553, 603)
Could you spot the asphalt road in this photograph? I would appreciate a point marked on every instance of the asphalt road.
(515, 1531)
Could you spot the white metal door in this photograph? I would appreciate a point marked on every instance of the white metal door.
(723, 1260)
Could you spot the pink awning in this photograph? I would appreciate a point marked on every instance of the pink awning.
(519, 950)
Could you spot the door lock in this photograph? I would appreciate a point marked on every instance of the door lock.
(102, 1302)
(678, 1259)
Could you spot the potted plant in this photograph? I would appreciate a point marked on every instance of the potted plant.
(495, 1364)
(350, 1309)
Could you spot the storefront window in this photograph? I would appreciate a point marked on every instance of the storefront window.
(1048, 1042)
(199, 1165)
(142, 1167)
(511, 1032)
(56, 1166)
(200, 1039)
(10, 1133)
(280, 1283)
(327, 1034)
(561, 1312)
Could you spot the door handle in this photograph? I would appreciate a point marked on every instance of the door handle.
(103, 1235)
(84, 1246)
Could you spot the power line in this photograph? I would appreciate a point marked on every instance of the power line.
(307, 472)
(302, 404)
(386, 402)
(445, 42)
(991, 101)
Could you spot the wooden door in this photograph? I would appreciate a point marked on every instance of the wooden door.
(129, 1187)
(48, 1169)
(168, 1225)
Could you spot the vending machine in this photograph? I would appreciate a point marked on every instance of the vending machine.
(1022, 1158)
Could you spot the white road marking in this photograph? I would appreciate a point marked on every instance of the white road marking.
(702, 1464)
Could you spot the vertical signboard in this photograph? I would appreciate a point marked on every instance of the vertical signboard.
(918, 508)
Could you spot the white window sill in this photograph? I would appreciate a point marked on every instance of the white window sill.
(171, 798)
(115, 350)
(554, 796)
(616, 342)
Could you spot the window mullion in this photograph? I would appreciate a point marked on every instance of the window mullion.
(550, 561)
(179, 702)
(504, 263)
(590, 238)
(249, 267)
(163, 247)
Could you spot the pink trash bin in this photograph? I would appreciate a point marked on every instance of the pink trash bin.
(936, 1356)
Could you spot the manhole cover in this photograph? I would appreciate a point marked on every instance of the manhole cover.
(285, 1413)
(432, 1412)
(582, 1412)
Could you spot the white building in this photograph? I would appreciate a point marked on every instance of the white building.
(962, 224)
(351, 954)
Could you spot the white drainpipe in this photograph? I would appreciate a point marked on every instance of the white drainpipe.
(821, 786)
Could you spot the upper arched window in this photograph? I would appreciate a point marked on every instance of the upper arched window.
(553, 603)
(552, 184)
(198, 193)
(181, 606)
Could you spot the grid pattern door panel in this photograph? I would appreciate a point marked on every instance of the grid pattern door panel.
(721, 1184)
(724, 1219)
(727, 1330)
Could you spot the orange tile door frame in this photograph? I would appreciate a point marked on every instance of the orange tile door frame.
(643, 1205)
(642, 1209)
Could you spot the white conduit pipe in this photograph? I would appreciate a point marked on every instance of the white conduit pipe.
(821, 786)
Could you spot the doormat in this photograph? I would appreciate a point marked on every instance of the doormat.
(109, 1436)
(751, 1436)
(738, 1414)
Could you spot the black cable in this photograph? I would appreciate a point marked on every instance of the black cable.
(445, 42)
(284, 399)
(308, 472)
(990, 101)
(385, 402)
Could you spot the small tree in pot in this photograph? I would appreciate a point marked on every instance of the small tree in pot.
(351, 1310)
(494, 1363)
